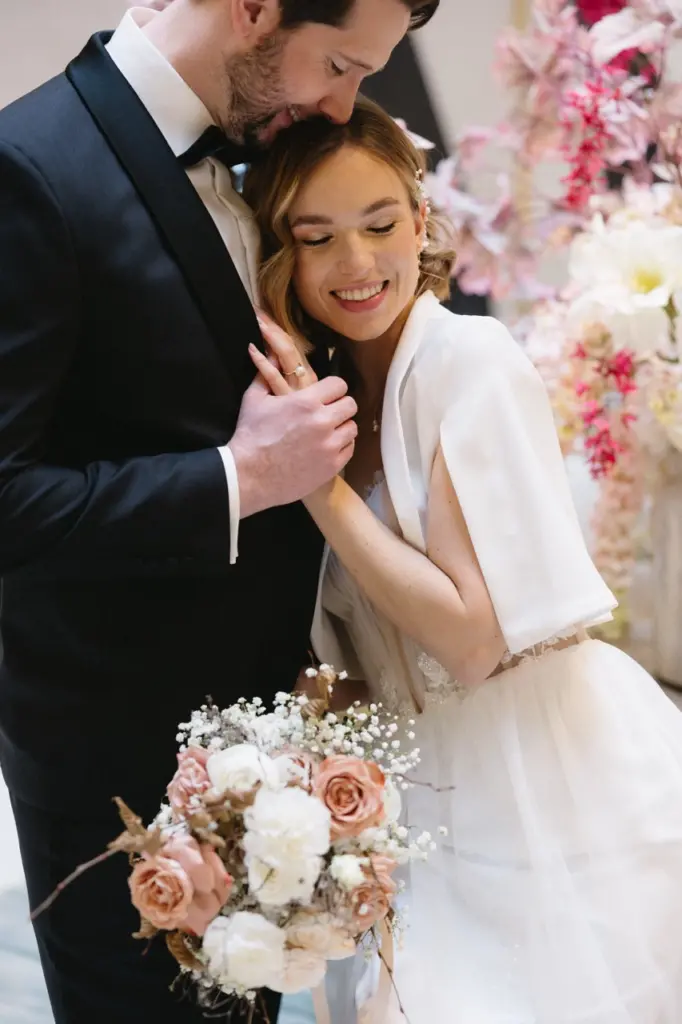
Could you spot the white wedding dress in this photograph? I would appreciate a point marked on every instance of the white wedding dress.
(557, 896)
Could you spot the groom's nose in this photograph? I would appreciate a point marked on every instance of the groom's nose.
(338, 105)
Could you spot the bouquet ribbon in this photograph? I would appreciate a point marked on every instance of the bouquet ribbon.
(375, 1011)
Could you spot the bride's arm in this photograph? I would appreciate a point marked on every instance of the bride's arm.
(441, 601)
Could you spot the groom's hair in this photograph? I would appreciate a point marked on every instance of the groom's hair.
(336, 12)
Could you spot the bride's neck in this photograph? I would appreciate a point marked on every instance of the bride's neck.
(372, 359)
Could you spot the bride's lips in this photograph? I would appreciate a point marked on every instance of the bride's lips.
(361, 305)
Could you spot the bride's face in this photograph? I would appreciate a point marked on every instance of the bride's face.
(357, 242)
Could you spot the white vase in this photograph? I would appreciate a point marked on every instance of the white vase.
(666, 542)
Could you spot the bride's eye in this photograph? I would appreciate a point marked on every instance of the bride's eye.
(384, 229)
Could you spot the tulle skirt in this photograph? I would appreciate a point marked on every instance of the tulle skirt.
(557, 896)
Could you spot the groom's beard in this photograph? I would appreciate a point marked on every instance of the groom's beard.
(256, 91)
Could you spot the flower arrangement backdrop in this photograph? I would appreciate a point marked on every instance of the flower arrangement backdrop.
(594, 96)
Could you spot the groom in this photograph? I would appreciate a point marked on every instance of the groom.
(152, 546)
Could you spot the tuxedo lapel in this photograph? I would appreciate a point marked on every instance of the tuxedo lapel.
(170, 198)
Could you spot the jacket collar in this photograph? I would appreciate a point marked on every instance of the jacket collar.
(185, 226)
(177, 111)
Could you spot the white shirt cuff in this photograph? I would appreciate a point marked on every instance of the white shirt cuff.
(233, 492)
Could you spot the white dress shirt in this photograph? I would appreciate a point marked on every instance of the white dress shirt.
(182, 118)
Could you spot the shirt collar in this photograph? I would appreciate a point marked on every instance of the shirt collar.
(177, 111)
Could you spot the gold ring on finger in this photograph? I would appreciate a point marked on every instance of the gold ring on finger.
(298, 371)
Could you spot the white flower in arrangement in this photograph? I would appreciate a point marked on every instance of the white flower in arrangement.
(346, 869)
(628, 268)
(240, 769)
(244, 952)
(287, 834)
(289, 883)
(640, 202)
(645, 331)
(286, 827)
(268, 731)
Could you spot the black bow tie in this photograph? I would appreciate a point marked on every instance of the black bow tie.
(215, 143)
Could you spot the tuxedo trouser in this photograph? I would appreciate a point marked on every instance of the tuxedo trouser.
(95, 972)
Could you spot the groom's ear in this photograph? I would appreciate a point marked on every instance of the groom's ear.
(254, 20)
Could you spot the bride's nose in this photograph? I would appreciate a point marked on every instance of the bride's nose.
(357, 256)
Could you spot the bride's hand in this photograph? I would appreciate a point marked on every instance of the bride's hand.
(287, 369)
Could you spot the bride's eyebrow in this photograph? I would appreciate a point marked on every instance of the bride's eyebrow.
(314, 219)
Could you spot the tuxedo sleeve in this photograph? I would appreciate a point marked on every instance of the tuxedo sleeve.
(153, 513)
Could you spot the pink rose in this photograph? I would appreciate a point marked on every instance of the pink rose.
(184, 886)
(190, 780)
(353, 792)
(371, 901)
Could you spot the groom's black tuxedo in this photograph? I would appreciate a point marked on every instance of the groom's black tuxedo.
(123, 358)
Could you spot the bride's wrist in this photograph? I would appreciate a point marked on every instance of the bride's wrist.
(321, 499)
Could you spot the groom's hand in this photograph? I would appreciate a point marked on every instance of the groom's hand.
(286, 446)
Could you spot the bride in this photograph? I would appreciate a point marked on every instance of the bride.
(458, 588)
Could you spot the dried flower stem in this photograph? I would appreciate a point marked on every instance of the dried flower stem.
(80, 870)
(425, 785)
(389, 971)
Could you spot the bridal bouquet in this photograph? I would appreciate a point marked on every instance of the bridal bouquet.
(276, 849)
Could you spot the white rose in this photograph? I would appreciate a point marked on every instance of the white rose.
(302, 971)
(244, 951)
(392, 803)
(275, 887)
(240, 769)
(346, 869)
(286, 829)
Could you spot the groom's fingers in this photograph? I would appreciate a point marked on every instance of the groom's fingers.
(330, 390)
(343, 411)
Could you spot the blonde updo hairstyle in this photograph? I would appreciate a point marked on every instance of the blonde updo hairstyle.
(271, 186)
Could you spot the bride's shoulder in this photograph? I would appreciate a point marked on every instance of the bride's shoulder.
(478, 344)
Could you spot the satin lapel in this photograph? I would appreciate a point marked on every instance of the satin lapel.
(172, 201)
(393, 449)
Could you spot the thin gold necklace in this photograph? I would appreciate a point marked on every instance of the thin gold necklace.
(376, 407)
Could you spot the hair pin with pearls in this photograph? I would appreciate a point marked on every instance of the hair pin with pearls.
(423, 191)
